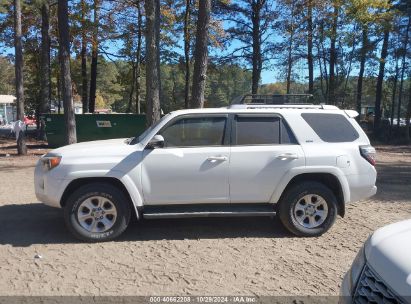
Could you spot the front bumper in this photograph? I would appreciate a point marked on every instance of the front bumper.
(345, 292)
(48, 188)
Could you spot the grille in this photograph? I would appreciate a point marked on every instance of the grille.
(372, 289)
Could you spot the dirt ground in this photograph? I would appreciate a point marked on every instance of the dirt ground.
(233, 256)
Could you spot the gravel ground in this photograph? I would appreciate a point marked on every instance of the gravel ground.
(237, 256)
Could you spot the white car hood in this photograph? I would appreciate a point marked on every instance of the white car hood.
(389, 254)
(97, 148)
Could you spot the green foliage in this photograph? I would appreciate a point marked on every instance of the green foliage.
(369, 11)
(225, 82)
(6, 77)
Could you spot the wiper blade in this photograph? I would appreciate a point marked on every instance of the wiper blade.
(128, 140)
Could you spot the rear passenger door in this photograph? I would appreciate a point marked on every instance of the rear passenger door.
(263, 150)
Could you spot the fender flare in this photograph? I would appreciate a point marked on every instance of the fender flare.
(133, 191)
(291, 174)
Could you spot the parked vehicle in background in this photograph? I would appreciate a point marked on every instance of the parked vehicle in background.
(402, 122)
(29, 120)
(301, 162)
(381, 271)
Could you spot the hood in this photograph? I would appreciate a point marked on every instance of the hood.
(96, 148)
(86, 146)
(389, 254)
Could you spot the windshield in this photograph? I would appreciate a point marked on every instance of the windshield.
(135, 140)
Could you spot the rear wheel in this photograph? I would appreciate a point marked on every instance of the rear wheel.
(308, 209)
(97, 212)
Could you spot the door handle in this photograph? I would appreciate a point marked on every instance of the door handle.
(288, 156)
(217, 158)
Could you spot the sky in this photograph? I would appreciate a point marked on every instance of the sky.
(270, 73)
(267, 76)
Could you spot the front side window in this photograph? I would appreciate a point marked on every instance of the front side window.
(148, 130)
(195, 131)
(262, 130)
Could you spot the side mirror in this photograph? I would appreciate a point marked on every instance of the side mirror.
(156, 142)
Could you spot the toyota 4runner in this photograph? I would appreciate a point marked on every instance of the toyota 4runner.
(301, 162)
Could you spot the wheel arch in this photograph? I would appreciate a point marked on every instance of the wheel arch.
(76, 183)
(327, 179)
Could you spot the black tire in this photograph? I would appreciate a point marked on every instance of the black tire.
(104, 190)
(294, 195)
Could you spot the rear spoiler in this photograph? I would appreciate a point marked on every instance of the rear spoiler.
(351, 113)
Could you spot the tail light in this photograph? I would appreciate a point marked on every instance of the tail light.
(369, 153)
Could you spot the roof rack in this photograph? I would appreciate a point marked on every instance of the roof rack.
(284, 106)
(274, 99)
(293, 101)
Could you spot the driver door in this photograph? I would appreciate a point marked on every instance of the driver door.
(193, 165)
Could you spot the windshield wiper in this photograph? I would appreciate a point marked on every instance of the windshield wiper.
(129, 140)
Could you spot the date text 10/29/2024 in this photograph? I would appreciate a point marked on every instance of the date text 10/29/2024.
(203, 299)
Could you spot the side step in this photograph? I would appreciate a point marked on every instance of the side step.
(207, 210)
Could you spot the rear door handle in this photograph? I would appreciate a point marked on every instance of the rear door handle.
(217, 158)
(288, 156)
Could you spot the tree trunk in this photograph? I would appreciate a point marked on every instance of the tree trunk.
(290, 49)
(153, 82)
(378, 93)
(403, 67)
(44, 66)
(394, 91)
(256, 56)
(21, 143)
(333, 56)
(321, 75)
(400, 97)
(322, 62)
(133, 85)
(138, 58)
(64, 48)
(187, 41)
(407, 118)
(201, 55)
(94, 55)
(362, 68)
(59, 92)
(289, 64)
(84, 86)
(173, 89)
(348, 72)
(310, 62)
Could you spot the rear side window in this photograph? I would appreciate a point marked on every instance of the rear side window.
(331, 127)
(262, 130)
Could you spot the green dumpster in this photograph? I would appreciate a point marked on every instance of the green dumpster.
(94, 127)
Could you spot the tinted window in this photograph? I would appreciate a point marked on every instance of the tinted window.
(331, 127)
(189, 132)
(257, 130)
(287, 136)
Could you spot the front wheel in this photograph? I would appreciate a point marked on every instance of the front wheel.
(308, 209)
(97, 212)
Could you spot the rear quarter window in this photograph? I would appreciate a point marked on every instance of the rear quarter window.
(331, 128)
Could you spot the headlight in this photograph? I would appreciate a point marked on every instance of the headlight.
(50, 161)
(357, 267)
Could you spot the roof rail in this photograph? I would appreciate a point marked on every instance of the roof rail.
(282, 106)
(273, 99)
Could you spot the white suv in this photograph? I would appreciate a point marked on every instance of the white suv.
(303, 162)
